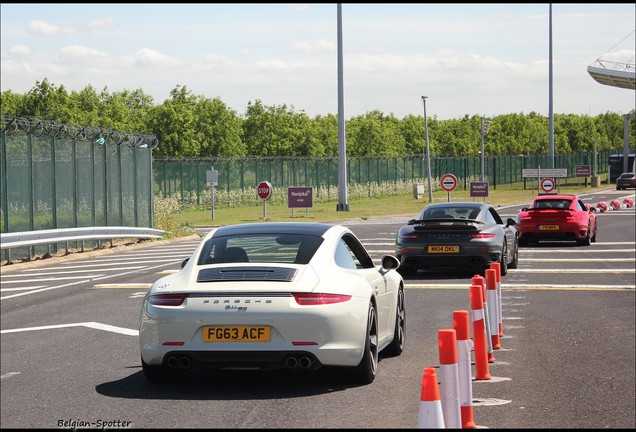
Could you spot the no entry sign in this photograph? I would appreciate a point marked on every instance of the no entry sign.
(448, 182)
(264, 190)
(547, 184)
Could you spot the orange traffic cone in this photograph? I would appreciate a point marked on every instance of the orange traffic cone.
(464, 348)
(431, 416)
(497, 267)
(482, 371)
(491, 293)
(479, 280)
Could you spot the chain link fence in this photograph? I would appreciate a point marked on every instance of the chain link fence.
(64, 176)
(187, 177)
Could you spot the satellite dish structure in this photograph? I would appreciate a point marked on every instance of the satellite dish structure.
(614, 73)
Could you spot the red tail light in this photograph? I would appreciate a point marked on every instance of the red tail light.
(167, 299)
(308, 299)
(482, 235)
(411, 236)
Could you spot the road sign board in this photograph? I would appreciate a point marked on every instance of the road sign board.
(583, 171)
(448, 182)
(478, 189)
(547, 172)
(264, 190)
(547, 184)
(300, 197)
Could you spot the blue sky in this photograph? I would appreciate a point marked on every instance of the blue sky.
(469, 59)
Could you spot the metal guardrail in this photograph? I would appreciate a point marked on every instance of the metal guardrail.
(64, 235)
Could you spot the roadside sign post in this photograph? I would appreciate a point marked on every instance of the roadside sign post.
(479, 189)
(538, 173)
(448, 182)
(264, 191)
(583, 171)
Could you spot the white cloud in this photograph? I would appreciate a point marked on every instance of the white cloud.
(147, 57)
(19, 50)
(43, 28)
(77, 52)
(321, 45)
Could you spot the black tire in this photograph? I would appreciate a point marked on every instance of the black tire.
(586, 241)
(523, 242)
(515, 259)
(503, 261)
(396, 346)
(593, 239)
(366, 370)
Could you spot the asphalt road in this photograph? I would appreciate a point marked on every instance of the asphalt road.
(70, 355)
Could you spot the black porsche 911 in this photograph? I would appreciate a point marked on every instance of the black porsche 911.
(466, 235)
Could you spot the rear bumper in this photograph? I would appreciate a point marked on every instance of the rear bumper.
(466, 261)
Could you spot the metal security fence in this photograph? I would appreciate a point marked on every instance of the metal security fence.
(64, 176)
(187, 177)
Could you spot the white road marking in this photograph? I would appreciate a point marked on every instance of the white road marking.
(123, 285)
(577, 260)
(525, 287)
(85, 277)
(76, 283)
(21, 289)
(93, 325)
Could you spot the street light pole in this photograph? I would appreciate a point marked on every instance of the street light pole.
(481, 176)
(428, 153)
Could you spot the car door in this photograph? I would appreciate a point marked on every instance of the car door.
(493, 217)
(384, 289)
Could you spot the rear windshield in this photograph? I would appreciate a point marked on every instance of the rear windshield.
(260, 248)
(450, 213)
(555, 204)
(627, 175)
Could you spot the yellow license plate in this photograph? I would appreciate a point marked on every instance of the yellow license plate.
(443, 249)
(236, 334)
(548, 227)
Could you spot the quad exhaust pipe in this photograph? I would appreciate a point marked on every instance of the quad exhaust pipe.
(182, 362)
(303, 362)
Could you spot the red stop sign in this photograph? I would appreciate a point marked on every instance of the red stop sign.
(264, 190)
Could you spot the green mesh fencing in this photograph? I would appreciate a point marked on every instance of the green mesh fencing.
(187, 177)
(66, 176)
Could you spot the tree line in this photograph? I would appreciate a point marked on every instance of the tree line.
(192, 126)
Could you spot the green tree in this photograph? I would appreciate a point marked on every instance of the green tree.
(173, 123)
(375, 134)
(218, 129)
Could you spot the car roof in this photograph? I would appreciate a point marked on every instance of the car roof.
(555, 196)
(297, 228)
(468, 204)
(627, 174)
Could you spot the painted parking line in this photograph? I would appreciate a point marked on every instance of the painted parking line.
(123, 285)
(92, 324)
(536, 287)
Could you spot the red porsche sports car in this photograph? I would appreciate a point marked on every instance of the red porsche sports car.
(556, 217)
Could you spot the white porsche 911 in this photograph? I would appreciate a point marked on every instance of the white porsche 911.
(275, 295)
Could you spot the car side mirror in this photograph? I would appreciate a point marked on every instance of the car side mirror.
(510, 222)
(184, 262)
(389, 262)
